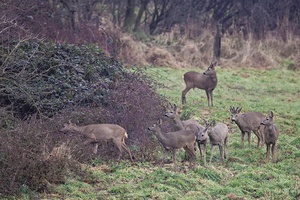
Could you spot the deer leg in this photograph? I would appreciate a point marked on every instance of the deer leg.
(262, 135)
(164, 157)
(95, 148)
(199, 147)
(211, 153)
(249, 139)
(207, 96)
(119, 146)
(268, 152)
(192, 154)
(183, 99)
(174, 159)
(243, 135)
(221, 153)
(204, 154)
(258, 138)
(126, 148)
(225, 153)
(273, 152)
(211, 98)
(88, 141)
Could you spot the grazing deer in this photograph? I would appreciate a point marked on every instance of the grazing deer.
(189, 124)
(206, 81)
(217, 135)
(271, 135)
(101, 132)
(175, 140)
(248, 122)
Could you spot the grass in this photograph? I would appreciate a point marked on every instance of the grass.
(245, 174)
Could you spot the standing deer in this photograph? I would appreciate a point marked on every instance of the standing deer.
(248, 122)
(206, 81)
(189, 124)
(175, 140)
(271, 135)
(101, 132)
(217, 135)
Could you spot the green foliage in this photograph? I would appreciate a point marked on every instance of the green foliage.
(44, 78)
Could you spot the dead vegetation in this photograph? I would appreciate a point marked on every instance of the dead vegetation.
(183, 52)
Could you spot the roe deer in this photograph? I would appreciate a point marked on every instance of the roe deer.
(271, 134)
(101, 132)
(206, 81)
(248, 122)
(175, 140)
(189, 124)
(217, 135)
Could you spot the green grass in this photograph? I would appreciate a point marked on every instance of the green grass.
(245, 174)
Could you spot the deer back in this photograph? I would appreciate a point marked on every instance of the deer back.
(105, 131)
(250, 121)
(206, 80)
(174, 140)
(97, 131)
(218, 134)
(197, 80)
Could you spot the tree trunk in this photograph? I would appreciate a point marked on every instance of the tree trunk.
(129, 16)
(217, 44)
(142, 9)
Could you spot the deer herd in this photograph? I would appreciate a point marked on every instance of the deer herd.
(189, 132)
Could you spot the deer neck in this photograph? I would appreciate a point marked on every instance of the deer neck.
(270, 128)
(80, 129)
(213, 77)
(160, 136)
(178, 123)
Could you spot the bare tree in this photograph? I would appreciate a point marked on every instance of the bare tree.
(129, 16)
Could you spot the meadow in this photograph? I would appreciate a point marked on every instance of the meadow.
(245, 174)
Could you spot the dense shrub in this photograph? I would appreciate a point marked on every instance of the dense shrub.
(32, 157)
(44, 85)
(46, 78)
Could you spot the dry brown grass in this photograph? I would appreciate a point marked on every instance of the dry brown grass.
(178, 51)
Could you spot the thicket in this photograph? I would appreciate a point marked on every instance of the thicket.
(43, 85)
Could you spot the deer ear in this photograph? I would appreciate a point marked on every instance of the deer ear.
(179, 110)
(212, 123)
(205, 122)
(271, 114)
(159, 122)
(175, 107)
(238, 109)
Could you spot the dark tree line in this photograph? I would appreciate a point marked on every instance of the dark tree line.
(68, 20)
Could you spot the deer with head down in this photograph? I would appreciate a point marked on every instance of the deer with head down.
(189, 124)
(248, 122)
(101, 132)
(175, 140)
(271, 135)
(206, 81)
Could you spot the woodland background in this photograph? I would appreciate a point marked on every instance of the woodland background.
(85, 61)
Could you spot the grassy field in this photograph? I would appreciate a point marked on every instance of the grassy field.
(245, 174)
